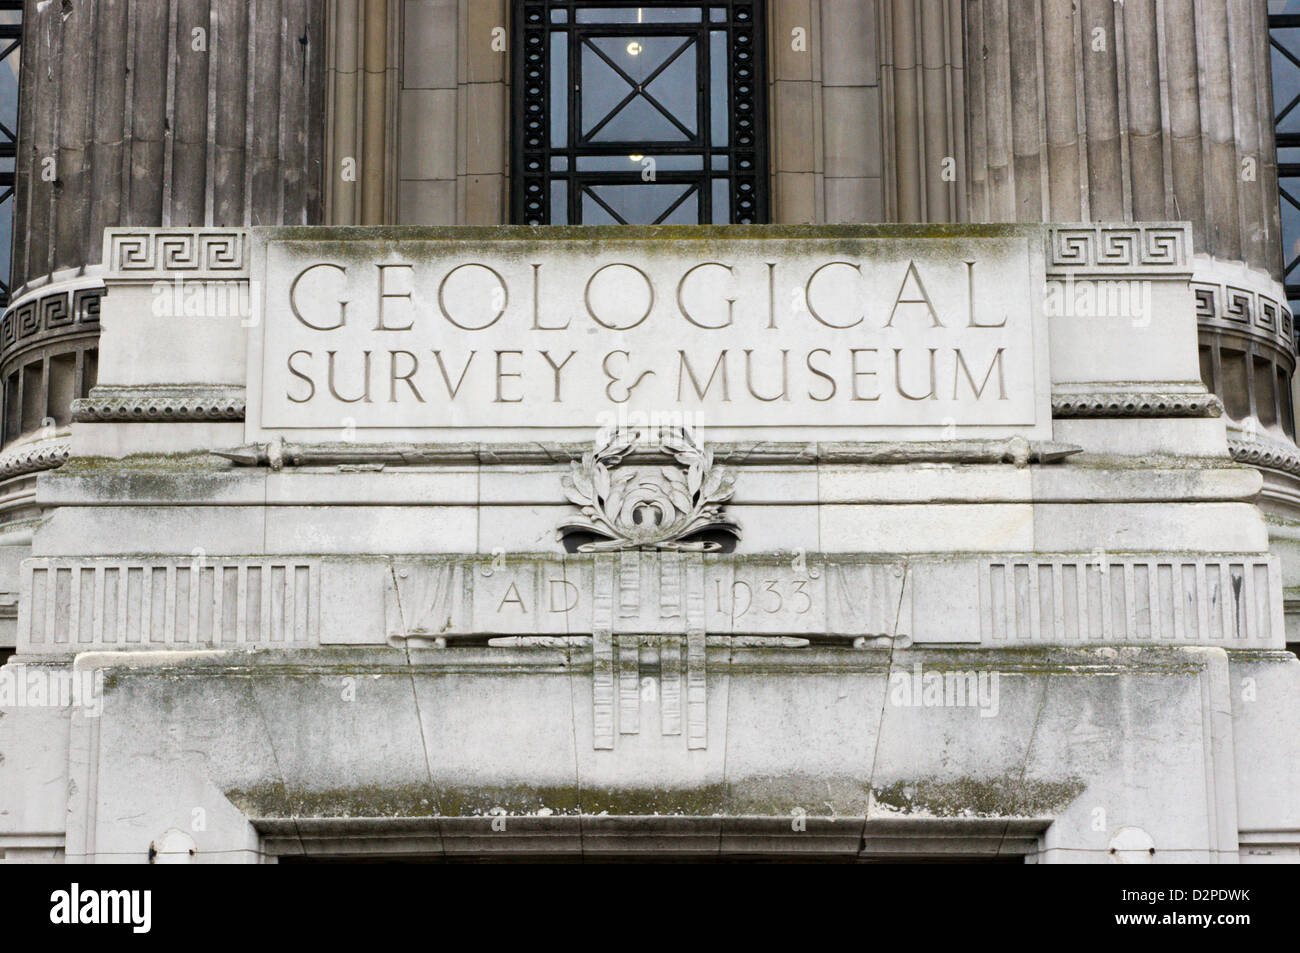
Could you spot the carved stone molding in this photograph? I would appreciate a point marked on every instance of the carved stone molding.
(1136, 404)
(1266, 453)
(820, 602)
(1234, 300)
(616, 675)
(756, 453)
(33, 458)
(165, 254)
(665, 508)
(49, 313)
(1119, 251)
(208, 601)
(160, 404)
(1233, 601)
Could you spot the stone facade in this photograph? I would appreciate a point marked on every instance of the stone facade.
(339, 518)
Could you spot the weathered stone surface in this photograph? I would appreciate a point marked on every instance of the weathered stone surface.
(907, 634)
(348, 739)
(860, 335)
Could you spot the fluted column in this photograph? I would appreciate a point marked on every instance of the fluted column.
(363, 75)
(1148, 110)
(157, 113)
(172, 112)
(922, 78)
(1098, 111)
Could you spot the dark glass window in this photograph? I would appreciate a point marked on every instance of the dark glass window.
(639, 113)
(11, 39)
(1284, 38)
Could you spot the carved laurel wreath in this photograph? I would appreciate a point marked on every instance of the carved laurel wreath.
(652, 508)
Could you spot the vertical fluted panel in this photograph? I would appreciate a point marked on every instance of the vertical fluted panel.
(1065, 189)
(344, 72)
(1142, 98)
(1146, 110)
(991, 189)
(1248, 125)
(166, 112)
(923, 85)
(374, 131)
(108, 144)
(146, 111)
(264, 132)
(907, 155)
(75, 123)
(1270, 216)
(189, 111)
(1180, 64)
(362, 76)
(1106, 181)
(1223, 232)
(229, 105)
(38, 138)
(1025, 125)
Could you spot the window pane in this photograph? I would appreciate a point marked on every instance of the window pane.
(641, 89)
(648, 204)
(719, 94)
(560, 200)
(646, 14)
(559, 90)
(653, 108)
(10, 40)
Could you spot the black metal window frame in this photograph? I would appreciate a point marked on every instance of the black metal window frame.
(11, 41)
(533, 153)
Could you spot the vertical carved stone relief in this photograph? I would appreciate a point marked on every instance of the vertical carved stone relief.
(922, 79)
(363, 64)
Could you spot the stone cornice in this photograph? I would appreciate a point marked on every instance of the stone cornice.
(160, 404)
(35, 457)
(1261, 453)
(1136, 404)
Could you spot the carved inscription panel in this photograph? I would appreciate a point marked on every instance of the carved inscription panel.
(413, 338)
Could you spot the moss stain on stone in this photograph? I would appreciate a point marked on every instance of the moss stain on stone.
(1003, 796)
(418, 800)
(996, 797)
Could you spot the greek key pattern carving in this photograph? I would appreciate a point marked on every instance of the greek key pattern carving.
(43, 316)
(124, 405)
(192, 253)
(1231, 307)
(1130, 249)
(1136, 404)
